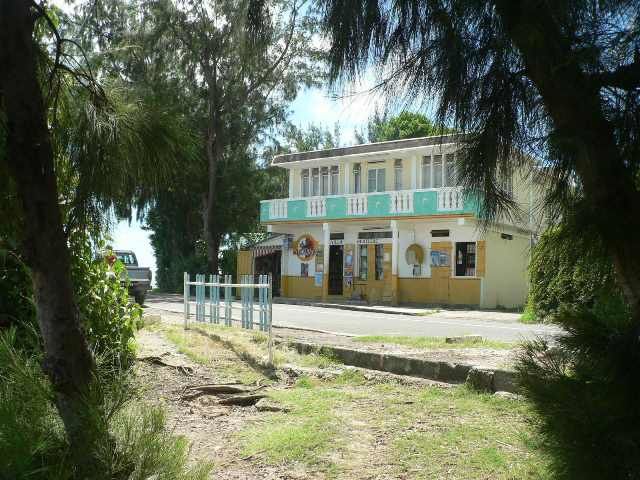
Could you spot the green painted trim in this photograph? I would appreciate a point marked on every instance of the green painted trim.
(425, 203)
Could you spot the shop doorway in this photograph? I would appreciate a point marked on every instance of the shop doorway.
(270, 264)
(335, 269)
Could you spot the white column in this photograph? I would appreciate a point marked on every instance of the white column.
(415, 160)
(325, 268)
(291, 195)
(394, 247)
(347, 172)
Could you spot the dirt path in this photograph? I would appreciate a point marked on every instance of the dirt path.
(209, 427)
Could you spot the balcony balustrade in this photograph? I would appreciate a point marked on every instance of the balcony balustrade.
(434, 201)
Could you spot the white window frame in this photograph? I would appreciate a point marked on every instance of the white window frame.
(334, 180)
(357, 178)
(305, 174)
(376, 172)
(315, 182)
(397, 174)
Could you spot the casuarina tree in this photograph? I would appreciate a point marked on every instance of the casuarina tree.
(524, 79)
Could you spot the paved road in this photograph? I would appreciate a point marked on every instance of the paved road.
(491, 325)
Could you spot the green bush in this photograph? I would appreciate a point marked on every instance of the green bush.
(585, 389)
(109, 319)
(132, 439)
(569, 271)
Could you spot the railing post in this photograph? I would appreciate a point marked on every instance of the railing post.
(186, 300)
(270, 299)
(250, 298)
(227, 301)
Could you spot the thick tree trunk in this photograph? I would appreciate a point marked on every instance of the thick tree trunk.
(68, 361)
(573, 102)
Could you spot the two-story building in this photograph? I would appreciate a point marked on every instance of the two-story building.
(388, 222)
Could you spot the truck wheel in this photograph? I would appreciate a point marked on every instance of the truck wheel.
(139, 297)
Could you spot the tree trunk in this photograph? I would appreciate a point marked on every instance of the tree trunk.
(573, 102)
(68, 361)
(214, 156)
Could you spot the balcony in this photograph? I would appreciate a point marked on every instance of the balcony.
(435, 201)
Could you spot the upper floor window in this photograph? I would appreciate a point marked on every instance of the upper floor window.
(450, 174)
(439, 171)
(324, 181)
(397, 171)
(335, 176)
(376, 179)
(315, 182)
(305, 183)
(356, 178)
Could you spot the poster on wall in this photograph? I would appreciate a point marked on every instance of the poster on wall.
(318, 279)
(319, 261)
(348, 265)
(439, 259)
(305, 247)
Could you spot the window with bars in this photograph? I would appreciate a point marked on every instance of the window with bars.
(305, 183)
(315, 182)
(397, 170)
(335, 180)
(379, 262)
(465, 259)
(376, 179)
(324, 181)
(356, 178)
(439, 171)
(450, 174)
(304, 269)
(363, 263)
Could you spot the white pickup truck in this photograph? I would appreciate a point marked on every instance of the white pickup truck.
(139, 277)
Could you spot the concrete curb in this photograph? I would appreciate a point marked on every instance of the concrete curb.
(481, 379)
(356, 308)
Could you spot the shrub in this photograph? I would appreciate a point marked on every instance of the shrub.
(569, 271)
(585, 390)
(132, 439)
(109, 319)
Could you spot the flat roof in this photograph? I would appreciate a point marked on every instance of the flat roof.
(367, 148)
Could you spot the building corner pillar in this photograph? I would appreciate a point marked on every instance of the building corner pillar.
(394, 261)
(326, 235)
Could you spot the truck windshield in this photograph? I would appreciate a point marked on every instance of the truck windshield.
(127, 258)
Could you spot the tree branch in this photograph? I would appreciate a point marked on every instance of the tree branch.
(626, 77)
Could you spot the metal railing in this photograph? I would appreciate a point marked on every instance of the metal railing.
(222, 307)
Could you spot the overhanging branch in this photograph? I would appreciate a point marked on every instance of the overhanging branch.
(626, 77)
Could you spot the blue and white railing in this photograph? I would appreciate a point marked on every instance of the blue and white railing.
(221, 307)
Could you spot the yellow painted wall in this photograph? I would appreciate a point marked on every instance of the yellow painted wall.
(506, 271)
(244, 262)
(300, 287)
(459, 291)
(481, 258)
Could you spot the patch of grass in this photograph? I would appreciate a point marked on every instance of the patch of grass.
(306, 434)
(185, 345)
(528, 316)
(430, 343)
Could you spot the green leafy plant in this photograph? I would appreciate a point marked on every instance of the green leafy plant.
(109, 318)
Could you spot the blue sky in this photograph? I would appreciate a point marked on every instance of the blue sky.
(312, 106)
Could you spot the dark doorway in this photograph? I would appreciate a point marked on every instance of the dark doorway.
(335, 270)
(270, 264)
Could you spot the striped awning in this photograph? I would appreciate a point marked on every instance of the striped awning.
(261, 251)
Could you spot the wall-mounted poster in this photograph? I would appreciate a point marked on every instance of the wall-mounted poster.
(348, 265)
(318, 279)
(305, 247)
(439, 258)
(319, 260)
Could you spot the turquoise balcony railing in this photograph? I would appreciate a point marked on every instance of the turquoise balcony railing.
(435, 201)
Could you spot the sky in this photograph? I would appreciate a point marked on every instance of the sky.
(315, 105)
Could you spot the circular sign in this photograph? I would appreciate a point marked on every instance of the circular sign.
(305, 247)
(414, 254)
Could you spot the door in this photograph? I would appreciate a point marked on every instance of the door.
(335, 269)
